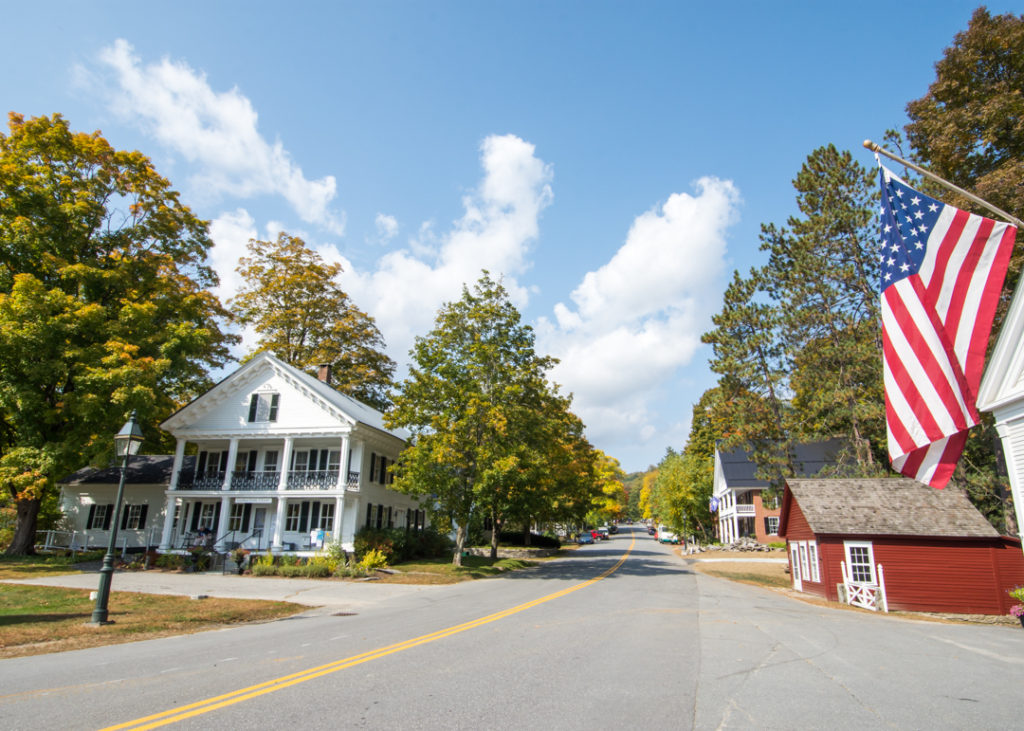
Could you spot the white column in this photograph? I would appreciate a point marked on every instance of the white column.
(232, 458)
(348, 535)
(358, 456)
(343, 463)
(179, 457)
(167, 538)
(286, 464)
(339, 513)
(282, 512)
(225, 518)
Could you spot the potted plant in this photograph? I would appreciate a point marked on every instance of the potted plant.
(239, 556)
(1017, 610)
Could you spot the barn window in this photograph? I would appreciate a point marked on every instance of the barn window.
(860, 562)
(812, 554)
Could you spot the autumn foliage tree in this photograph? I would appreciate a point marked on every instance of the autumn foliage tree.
(105, 305)
(293, 301)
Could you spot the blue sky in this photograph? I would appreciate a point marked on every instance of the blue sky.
(612, 161)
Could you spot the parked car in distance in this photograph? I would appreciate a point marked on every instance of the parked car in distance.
(585, 538)
(651, 530)
(604, 533)
(613, 529)
(666, 536)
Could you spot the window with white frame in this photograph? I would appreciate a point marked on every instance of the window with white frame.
(99, 516)
(270, 460)
(794, 559)
(326, 517)
(291, 522)
(812, 553)
(237, 513)
(263, 407)
(772, 525)
(206, 516)
(314, 460)
(134, 516)
(804, 567)
(860, 562)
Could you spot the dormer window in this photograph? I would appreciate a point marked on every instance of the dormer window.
(263, 407)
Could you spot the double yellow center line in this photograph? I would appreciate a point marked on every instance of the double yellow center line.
(211, 704)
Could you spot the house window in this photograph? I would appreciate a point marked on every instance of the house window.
(212, 464)
(314, 460)
(812, 553)
(291, 523)
(177, 515)
(235, 521)
(794, 560)
(134, 517)
(246, 461)
(270, 460)
(207, 515)
(804, 568)
(860, 563)
(771, 525)
(326, 517)
(263, 407)
(98, 516)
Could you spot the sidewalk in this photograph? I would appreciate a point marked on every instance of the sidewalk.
(309, 592)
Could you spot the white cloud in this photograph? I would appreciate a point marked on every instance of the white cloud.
(387, 227)
(217, 132)
(638, 319)
(499, 223)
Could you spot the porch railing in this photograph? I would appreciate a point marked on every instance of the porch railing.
(206, 481)
(247, 480)
(312, 479)
(745, 510)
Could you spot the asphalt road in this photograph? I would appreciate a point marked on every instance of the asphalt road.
(592, 641)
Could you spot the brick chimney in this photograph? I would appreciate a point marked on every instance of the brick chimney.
(324, 373)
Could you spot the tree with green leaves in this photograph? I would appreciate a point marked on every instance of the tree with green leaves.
(469, 401)
(105, 305)
(822, 274)
(292, 299)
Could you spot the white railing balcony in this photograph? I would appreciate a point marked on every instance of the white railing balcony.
(745, 510)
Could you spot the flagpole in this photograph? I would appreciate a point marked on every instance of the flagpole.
(999, 212)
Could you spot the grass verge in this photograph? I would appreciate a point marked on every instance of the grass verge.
(39, 619)
(759, 573)
(442, 571)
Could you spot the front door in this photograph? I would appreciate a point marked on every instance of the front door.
(794, 566)
(259, 517)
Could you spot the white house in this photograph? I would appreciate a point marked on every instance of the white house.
(1002, 393)
(278, 461)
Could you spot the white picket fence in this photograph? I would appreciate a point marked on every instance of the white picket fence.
(863, 593)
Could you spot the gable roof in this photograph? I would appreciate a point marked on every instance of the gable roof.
(809, 459)
(886, 506)
(344, 406)
(144, 469)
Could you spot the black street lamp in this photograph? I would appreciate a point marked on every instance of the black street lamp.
(126, 444)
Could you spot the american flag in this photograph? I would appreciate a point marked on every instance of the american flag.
(942, 270)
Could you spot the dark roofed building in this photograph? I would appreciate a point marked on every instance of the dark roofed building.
(897, 544)
(740, 509)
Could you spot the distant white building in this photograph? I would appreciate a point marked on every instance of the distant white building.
(281, 462)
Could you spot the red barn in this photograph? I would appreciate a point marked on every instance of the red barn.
(897, 544)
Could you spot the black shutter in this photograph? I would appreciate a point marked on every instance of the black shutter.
(314, 519)
(383, 470)
(92, 514)
(373, 466)
(369, 514)
(142, 516)
(216, 518)
(390, 518)
(304, 517)
(197, 509)
(254, 403)
(252, 460)
(201, 465)
(124, 517)
(274, 399)
(246, 514)
(110, 515)
(325, 454)
(223, 462)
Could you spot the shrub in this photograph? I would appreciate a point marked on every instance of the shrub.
(318, 567)
(375, 539)
(373, 559)
(172, 561)
(263, 565)
(291, 570)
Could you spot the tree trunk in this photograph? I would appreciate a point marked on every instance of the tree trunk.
(24, 540)
(460, 542)
(495, 535)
